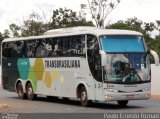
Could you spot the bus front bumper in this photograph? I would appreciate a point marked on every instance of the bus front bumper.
(110, 96)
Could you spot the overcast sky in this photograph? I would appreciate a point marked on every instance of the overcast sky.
(14, 11)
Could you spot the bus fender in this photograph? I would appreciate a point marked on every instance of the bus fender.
(29, 81)
(23, 83)
(82, 83)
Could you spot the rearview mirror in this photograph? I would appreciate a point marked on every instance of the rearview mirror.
(103, 57)
(156, 57)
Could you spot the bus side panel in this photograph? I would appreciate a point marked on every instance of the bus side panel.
(61, 82)
(84, 77)
(9, 73)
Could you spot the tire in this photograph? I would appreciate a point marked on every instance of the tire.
(123, 103)
(29, 92)
(52, 98)
(20, 91)
(84, 97)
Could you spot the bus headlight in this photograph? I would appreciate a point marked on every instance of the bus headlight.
(146, 89)
(112, 90)
(108, 97)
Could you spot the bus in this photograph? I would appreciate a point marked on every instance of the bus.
(83, 63)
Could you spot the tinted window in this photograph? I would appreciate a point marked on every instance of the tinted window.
(66, 46)
(77, 46)
(7, 49)
(40, 49)
(49, 47)
(4, 49)
(17, 48)
(29, 48)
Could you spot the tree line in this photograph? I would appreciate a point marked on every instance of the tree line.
(64, 17)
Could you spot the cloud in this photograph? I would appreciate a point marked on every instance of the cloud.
(15, 11)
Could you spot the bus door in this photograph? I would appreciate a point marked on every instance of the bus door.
(98, 78)
(94, 62)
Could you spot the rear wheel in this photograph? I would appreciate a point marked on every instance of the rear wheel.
(84, 97)
(123, 103)
(20, 91)
(29, 92)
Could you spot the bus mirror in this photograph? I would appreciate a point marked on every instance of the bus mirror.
(156, 57)
(103, 57)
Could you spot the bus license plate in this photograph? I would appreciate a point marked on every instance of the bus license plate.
(129, 96)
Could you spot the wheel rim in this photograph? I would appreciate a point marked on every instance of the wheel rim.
(29, 91)
(20, 91)
(83, 96)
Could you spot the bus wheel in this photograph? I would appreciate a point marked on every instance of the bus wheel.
(20, 91)
(29, 91)
(83, 97)
(123, 103)
(52, 98)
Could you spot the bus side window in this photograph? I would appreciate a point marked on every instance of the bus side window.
(29, 46)
(64, 46)
(77, 46)
(24, 49)
(10, 49)
(17, 48)
(70, 47)
(54, 47)
(59, 48)
(40, 50)
(48, 46)
(5, 49)
(73, 46)
(83, 51)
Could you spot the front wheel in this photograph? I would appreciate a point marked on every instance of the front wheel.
(29, 92)
(84, 97)
(123, 103)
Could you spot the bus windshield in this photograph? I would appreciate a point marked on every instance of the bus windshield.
(127, 60)
(127, 68)
(122, 43)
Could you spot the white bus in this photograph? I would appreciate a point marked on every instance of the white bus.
(84, 63)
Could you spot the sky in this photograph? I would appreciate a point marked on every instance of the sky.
(15, 11)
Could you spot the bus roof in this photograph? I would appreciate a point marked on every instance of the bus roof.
(77, 31)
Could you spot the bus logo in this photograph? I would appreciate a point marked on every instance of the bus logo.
(23, 63)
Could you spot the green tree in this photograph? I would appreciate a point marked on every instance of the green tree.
(67, 18)
(1, 37)
(15, 29)
(6, 34)
(33, 26)
(158, 26)
(99, 10)
(136, 25)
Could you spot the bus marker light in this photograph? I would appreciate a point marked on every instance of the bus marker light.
(147, 95)
(109, 97)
